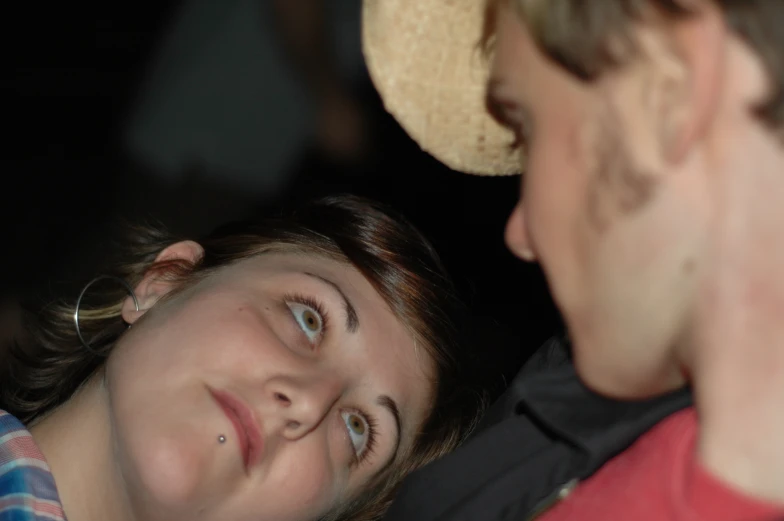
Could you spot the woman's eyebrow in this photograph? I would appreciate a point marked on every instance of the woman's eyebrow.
(390, 405)
(352, 319)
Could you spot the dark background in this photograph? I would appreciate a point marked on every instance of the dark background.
(72, 77)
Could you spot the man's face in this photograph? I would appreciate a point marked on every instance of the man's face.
(614, 236)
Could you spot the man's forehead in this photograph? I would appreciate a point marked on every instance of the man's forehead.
(491, 8)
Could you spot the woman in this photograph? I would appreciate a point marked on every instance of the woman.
(292, 369)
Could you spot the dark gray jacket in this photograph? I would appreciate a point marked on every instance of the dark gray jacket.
(545, 434)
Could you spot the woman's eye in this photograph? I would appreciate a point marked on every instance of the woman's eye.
(308, 319)
(358, 431)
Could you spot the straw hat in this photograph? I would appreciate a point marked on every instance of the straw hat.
(424, 59)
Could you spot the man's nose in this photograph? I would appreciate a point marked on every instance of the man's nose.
(516, 235)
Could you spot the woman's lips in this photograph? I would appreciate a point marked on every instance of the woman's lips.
(245, 424)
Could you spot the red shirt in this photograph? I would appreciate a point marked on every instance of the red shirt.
(659, 479)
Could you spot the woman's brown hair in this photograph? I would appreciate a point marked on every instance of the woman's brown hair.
(50, 364)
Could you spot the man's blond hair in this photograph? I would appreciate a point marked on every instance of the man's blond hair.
(587, 37)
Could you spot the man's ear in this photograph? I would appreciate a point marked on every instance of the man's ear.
(155, 283)
(691, 65)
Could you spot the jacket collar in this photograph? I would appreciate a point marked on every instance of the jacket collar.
(550, 393)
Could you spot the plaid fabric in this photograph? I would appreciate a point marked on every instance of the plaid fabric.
(27, 489)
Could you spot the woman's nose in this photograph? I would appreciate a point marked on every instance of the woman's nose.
(303, 404)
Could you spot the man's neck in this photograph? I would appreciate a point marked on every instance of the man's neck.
(75, 440)
(737, 354)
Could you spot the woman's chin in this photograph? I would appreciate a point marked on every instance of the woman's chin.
(174, 474)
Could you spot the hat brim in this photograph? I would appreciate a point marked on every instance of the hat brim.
(424, 59)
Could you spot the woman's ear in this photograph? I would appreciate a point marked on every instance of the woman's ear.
(155, 283)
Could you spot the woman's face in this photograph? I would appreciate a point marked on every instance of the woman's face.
(272, 390)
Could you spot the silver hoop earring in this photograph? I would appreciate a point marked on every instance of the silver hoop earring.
(128, 288)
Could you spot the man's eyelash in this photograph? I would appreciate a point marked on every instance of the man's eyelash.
(515, 143)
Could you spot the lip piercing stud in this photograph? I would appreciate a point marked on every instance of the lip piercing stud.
(221, 439)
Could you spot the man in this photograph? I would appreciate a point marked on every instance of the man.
(650, 136)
